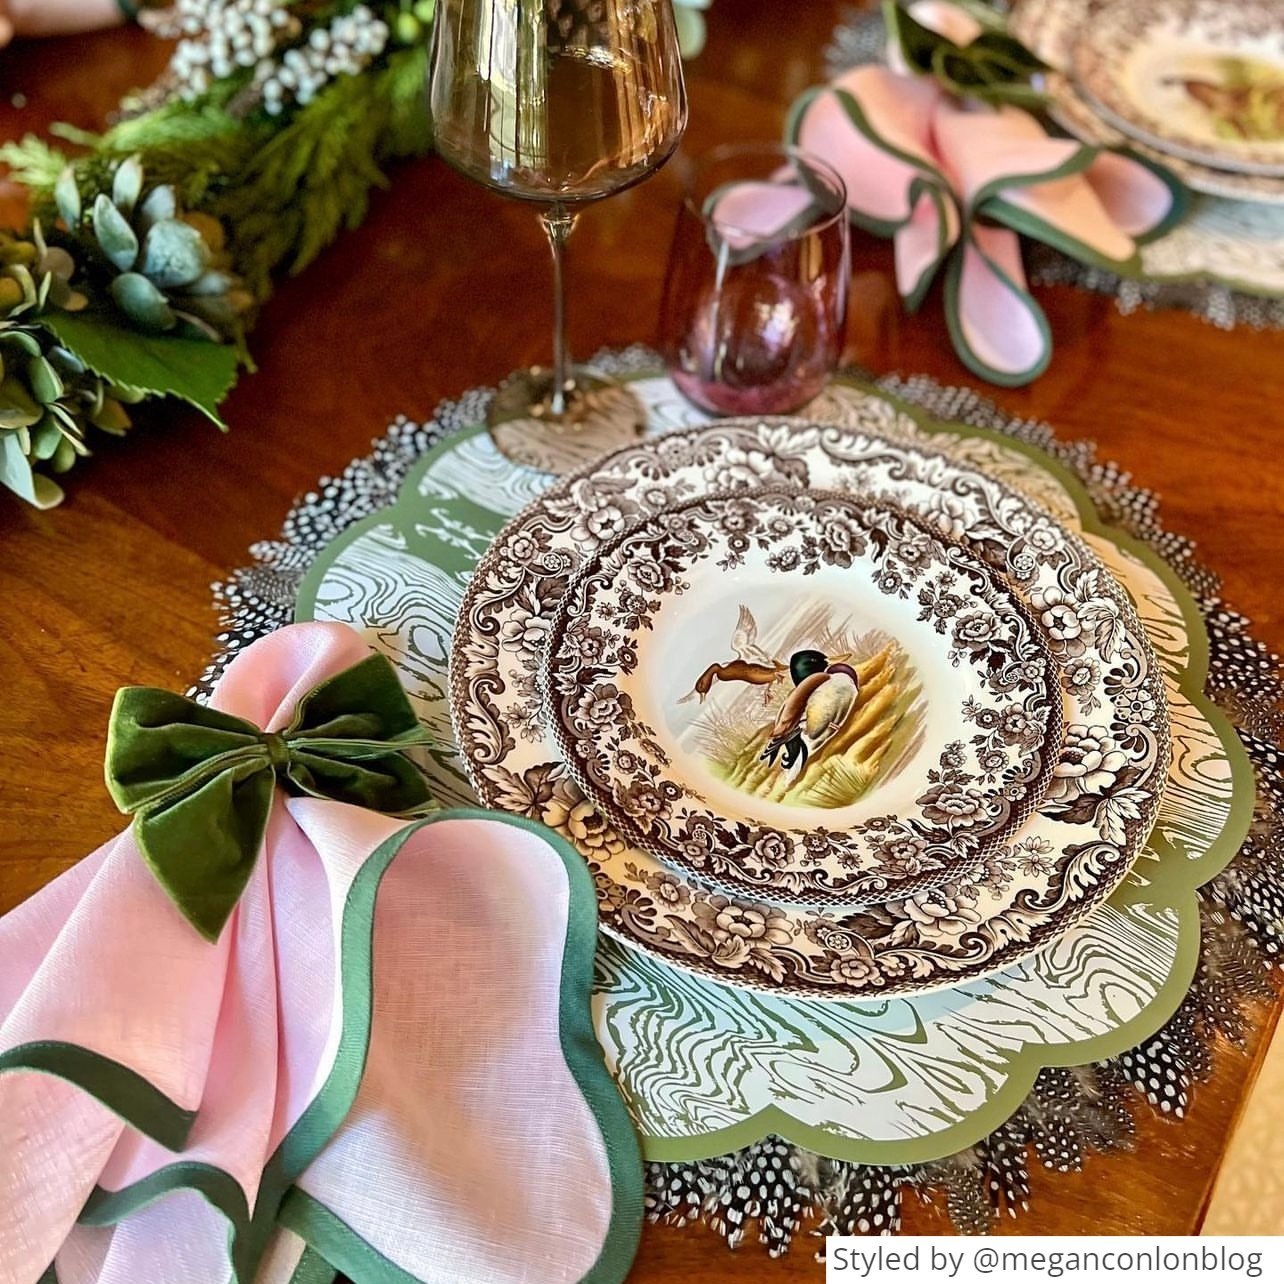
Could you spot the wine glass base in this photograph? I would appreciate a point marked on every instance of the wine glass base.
(600, 416)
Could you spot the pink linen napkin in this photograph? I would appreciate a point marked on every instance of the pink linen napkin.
(387, 1050)
(956, 182)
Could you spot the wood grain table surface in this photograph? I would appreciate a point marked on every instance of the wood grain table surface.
(446, 286)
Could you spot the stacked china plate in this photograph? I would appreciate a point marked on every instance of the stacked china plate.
(828, 712)
(1195, 84)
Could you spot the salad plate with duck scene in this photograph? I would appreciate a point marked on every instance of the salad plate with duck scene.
(909, 933)
(749, 687)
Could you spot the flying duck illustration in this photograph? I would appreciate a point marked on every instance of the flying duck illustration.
(752, 664)
(823, 697)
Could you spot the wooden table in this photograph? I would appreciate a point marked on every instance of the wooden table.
(444, 287)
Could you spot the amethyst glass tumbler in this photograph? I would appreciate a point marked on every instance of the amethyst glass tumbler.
(755, 300)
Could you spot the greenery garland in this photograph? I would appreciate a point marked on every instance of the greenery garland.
(152, 246)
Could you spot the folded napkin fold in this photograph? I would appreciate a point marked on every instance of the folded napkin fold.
(955, 181)
(387, 1049)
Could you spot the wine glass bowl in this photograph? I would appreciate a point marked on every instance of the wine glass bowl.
(558, 103)
(557, 100)
(754, 309)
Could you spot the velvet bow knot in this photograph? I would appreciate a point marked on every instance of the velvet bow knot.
(200, 783)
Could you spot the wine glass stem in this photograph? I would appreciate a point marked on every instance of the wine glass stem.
(558, 223)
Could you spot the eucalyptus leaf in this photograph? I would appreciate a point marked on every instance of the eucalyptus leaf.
(17, 409)
(58, 261)
(194, 370)
(142, 302)
(174, 255)
(67, 197)
(65, 360)
(21, 274)
(10, 295)
(46, 439)
(15, 468)
(194, 326)
(114, 234)
(69, 426)
(24, 341)
(43, 380)
(64, 456)
(48, 494)
(160, 203)
(211, 283)
(12, 252)
(111, 417)
(127, 185)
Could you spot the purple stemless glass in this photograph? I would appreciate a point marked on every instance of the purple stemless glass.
(755, 301)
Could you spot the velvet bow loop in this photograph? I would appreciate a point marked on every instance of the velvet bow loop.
(199, 783)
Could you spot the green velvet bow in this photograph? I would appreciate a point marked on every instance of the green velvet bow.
(996, 67)
(199, 783)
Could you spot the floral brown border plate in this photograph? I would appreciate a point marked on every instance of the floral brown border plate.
(1076, 849)
(1049, 27)
(1201, 80)
(686, 686)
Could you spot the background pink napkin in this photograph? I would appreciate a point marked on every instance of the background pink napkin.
(388, 1050)
(955, 183)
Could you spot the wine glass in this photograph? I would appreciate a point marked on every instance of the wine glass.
(755, 301)
(558, 102)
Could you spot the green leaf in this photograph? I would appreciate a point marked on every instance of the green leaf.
(127, 185)
(161, 202)
(15, 468)
(111, 418)
(63, 459)
(195, 371)
(24, 340)
(59, 262)
(44, 381)
(48, 493)
(17, 409)
(46, 440)
(174, 254)
(67, 197)
(114, 234)
(142, 302)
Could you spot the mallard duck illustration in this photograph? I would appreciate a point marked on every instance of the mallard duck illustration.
(823, 697)
(752, 664)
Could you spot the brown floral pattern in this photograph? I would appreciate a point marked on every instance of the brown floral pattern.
(617, 762)
(1025, 895)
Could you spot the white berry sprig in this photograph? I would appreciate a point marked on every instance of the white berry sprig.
(290, 63)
